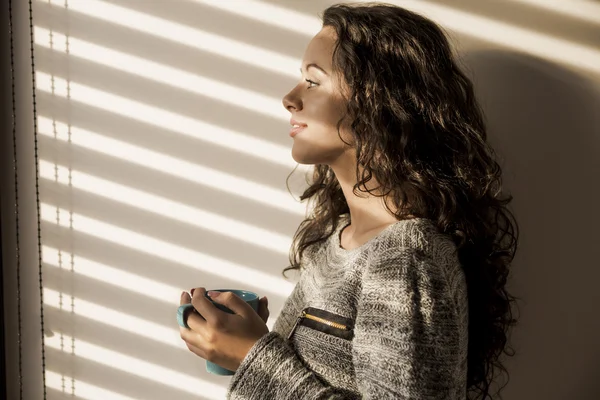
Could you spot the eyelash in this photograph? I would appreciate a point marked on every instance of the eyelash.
(311, 82)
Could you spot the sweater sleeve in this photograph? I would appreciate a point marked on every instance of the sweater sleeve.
(405, 343)
(289, 312)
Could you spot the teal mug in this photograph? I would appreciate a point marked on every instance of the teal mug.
(249, 297)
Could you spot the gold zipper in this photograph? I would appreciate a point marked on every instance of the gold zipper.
(304, 314)
(326, 322)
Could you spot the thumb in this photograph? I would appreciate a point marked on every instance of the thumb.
(263, 310)
(185, 298)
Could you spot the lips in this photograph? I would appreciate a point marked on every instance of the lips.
(297, 127)
(295, 123)
(296, 130)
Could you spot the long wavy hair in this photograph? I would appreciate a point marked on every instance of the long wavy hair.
(418, 129)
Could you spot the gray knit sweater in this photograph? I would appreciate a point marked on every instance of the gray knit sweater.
(386, 320)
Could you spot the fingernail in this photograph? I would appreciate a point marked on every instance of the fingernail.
(182, 293)
(213, 294)
(192, 291)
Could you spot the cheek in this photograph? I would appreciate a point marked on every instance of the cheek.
(324, 110)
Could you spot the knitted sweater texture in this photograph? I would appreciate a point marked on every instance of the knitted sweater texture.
(386, 320)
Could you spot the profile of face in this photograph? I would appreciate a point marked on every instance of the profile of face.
(316, 104)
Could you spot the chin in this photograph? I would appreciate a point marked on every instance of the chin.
(312, 158)
(306, 153)
(303, 160)
(301, 156)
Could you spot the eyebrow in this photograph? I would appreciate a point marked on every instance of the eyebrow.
(313, 65)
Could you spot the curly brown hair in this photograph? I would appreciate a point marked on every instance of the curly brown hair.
(418, 129)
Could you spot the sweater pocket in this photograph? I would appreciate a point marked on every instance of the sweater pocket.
(326, 322)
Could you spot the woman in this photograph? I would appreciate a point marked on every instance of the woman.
(404, 257)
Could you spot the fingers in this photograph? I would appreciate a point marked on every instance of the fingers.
(203, 305)
(196, 322)
(233, 302)
(188, 337)
(263, 310)
(189, 312)
(192, 317)
(196, 350)
(185, 298)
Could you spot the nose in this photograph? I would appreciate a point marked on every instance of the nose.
(291, 101)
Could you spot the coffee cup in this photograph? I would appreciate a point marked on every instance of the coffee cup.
(249, 297)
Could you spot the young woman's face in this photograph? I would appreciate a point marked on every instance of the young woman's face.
(316, 103)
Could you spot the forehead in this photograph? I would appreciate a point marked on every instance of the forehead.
(320, 48)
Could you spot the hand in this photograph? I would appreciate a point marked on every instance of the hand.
(263, 308)
(222, 338)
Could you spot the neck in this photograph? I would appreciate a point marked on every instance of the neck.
(367, 211)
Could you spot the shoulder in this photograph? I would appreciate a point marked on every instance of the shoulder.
(404, 266)
(416, 239)
(416, 258)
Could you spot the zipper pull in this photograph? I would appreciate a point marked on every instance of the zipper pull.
(300, 317)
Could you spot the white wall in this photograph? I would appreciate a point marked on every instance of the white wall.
(537, 73)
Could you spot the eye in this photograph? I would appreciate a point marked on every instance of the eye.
(311, 83)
